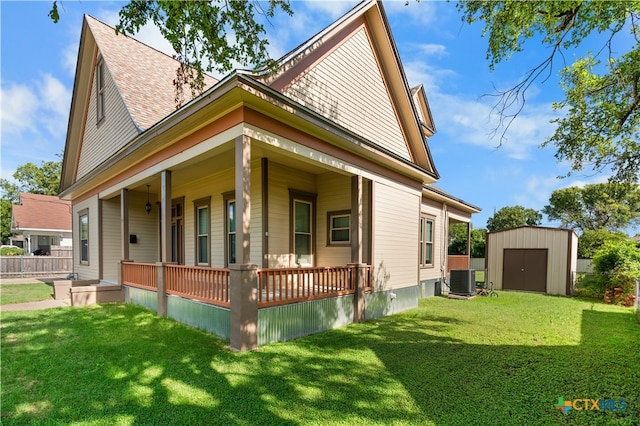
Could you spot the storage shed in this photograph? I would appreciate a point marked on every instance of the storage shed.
(532, 258)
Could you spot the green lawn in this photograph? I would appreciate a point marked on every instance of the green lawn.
(19, 293)
(485, 361)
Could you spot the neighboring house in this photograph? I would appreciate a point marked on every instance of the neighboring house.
(307, 192)
(42, 221)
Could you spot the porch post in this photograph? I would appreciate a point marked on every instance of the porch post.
(243, 277)
(360, 269)
(243, 295)
(124, 224)
(162, 289)
(165, 216)
(356, 219)
(243, 199)
(359, 304)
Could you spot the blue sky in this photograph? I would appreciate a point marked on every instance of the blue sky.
(437, 49)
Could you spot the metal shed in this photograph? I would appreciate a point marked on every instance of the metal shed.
(532, 258)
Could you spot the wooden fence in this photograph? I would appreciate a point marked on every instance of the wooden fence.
(59, 263)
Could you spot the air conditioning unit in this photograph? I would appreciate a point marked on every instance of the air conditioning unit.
(463, 282)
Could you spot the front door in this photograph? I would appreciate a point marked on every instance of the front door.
(177, 231)
(525, 269)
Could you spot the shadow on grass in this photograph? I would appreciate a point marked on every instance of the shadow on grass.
(121, 364)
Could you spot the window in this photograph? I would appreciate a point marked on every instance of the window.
(426, 241)
(231, 231)
(302, 227)
(100, 91)
(339, 228)
(201, 208)
(84, 236)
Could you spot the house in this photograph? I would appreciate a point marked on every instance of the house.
(533, 258)
(275, 204)
(41, 221)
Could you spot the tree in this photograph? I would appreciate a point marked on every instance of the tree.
(43, 179)
(601, 108)
(592, 239)
(478, 242)
(611, 206)
(511, 217)
(206, 35)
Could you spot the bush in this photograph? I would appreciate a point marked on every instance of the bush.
(592, 286)
(10, 251)
(618, 265)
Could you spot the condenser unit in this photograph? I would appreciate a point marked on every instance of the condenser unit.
(463, 282)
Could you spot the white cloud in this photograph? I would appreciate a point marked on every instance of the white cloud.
(19, 105)
(412, 10)
(431, 49)
(333, 8)
(55, 102)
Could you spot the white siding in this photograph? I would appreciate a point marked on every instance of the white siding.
(348, 88)
(90, 270)
(101, 140)
(396, 226)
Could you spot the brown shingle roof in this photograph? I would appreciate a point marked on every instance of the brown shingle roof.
(144, 76)
(37, 211)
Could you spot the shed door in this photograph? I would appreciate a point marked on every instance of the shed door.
(525, 269)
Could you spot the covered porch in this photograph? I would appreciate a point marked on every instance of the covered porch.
(241, 227)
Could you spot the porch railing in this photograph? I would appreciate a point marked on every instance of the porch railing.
(141, 275)
(210, 285)
(278, 286)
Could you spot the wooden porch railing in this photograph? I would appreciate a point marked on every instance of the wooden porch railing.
(278, 286)
(141, 275)
(457, 262)
(210, 285)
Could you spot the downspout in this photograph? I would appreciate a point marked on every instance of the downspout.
(445, 243)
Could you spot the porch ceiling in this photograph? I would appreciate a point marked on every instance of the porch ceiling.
(222, 159)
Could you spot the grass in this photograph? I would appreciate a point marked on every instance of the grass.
(19, 293)
(502, 361)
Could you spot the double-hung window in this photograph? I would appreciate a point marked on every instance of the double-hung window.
(231, 231)
(426, 241)
(83, 221)
(339, 228)
(202, 220)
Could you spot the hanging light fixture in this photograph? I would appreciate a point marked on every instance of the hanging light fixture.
(147, 206)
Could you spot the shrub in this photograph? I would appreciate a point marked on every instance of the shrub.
(618, 262)
(11, 251)
(593, 286)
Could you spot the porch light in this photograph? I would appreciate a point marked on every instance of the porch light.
(147, 207)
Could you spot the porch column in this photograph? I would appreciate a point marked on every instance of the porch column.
(162, 289)
(124, 224)
(243, 294)
(165, 239)
(243, 199)
(165, 215)
(361, 271)
(356, 248)
(356, 219)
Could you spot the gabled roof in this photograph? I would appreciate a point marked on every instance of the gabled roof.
(139, 81)
(148, 99)
(368, 21)
(41, 212)
(143, 77)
